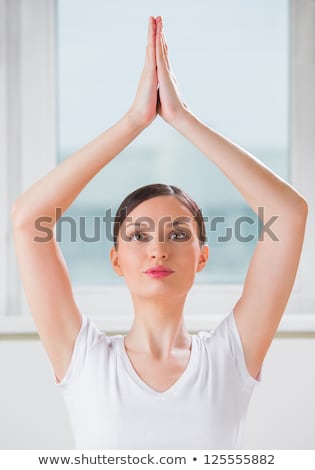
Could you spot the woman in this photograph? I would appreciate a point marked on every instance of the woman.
(159, 387)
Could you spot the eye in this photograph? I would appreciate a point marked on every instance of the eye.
(139, 237)
(179, 236)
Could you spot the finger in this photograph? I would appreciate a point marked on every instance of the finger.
(151, 42)
(159, 54)
(165, 50)
(165, 53)
(160, 48)
(166, 57)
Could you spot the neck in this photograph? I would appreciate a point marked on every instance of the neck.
(158, 328)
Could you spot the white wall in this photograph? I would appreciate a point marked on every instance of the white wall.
(281, 414)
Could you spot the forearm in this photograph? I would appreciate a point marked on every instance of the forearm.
(257, 183)
(62, 185)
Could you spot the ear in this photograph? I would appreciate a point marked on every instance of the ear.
(115, 261)
(203, 258)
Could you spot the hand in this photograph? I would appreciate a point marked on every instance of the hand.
(144, 108)
(170, 106)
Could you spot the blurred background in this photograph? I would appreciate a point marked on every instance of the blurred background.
(69, 69)
(231, 60)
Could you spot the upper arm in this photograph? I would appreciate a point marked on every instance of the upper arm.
(268, 285)
(49, 294)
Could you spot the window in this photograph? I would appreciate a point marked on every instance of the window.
(4, 235)
(232, 74)
(33, 87)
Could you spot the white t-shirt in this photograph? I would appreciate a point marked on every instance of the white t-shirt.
(111, 407)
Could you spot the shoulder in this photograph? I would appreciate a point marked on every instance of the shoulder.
(221, 334)
(92, 347)
(224, 349)
(92, 338)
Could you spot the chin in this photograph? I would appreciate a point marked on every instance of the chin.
(160, 292)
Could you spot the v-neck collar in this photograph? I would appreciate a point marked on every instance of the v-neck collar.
(183, 377)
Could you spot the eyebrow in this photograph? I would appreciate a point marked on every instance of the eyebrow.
(177, 221)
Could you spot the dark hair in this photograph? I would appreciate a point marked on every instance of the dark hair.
(154, 190)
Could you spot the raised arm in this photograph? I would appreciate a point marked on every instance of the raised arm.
(43, 271)
(273, 266)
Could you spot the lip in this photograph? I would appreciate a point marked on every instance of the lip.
(158, 271)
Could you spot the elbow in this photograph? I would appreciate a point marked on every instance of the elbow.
(16, 217)
(20, 217)
(300, 210)
(303, 207)
(24, 216)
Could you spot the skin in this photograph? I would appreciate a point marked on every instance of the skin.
(162, 337)
(158, 303)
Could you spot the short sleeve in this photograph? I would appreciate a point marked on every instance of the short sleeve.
(87, 336)
(228, 330)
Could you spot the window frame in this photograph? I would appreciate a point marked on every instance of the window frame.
(3, 164)
(28, 31)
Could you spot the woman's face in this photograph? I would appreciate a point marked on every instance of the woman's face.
(158, 255)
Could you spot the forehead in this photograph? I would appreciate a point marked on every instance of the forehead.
(161, 207)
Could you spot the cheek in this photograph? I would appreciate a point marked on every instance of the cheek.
(130, 256)
(189, 253)
(187, 265)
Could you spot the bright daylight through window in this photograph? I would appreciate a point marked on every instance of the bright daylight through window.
(237, 82)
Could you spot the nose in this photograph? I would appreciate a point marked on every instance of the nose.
(158, 250)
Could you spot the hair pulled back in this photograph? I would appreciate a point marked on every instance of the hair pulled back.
(149, 192)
